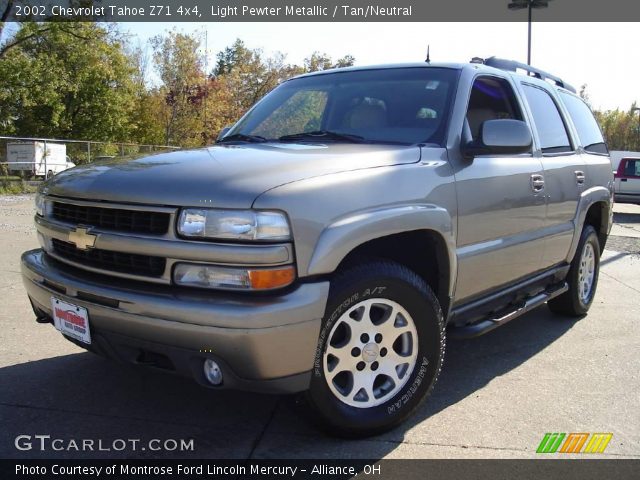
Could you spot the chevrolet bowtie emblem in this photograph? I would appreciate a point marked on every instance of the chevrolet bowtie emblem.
(82, 239)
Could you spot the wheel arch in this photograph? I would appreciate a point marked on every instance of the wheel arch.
(418, 237)
(595, 209)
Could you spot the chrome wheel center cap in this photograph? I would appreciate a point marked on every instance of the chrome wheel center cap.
(370, 352)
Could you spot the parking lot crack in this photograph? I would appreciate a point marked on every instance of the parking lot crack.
(262, 433)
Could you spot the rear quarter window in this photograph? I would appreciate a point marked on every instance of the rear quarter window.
(588, 130)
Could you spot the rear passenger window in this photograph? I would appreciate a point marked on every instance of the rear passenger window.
(632, 168)
(548, 122)
(586, 125)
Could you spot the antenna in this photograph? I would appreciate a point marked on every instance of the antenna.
(428, 60)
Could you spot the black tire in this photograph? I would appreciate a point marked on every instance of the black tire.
(570, 303)
(385, 280)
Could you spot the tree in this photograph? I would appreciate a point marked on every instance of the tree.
(69, 80)
(248, 75)
(83, 80)
(179, 64)
(321, 61)
(620, 128)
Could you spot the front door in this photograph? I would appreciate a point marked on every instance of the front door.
(501, 202)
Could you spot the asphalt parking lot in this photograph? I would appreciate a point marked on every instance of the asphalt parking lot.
(497, 396)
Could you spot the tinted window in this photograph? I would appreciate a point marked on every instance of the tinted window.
(399, 105)
(551, 130)
(588, 131)
(632, 168)
(491, 98)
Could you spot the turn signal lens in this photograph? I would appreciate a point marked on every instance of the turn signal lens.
(224, 278)
(268, 279)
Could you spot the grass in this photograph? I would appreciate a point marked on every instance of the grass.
(15, 187)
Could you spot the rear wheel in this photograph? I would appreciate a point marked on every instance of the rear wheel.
(380, 350)
(582, 277)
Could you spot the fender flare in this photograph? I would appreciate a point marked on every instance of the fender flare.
(347, 233)
(588, 198)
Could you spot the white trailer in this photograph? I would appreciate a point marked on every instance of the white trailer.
(37, 159)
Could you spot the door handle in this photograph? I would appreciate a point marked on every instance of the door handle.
(623, 179)
(580, 177)
(537, 182)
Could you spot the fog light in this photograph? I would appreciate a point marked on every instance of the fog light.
(212, 372)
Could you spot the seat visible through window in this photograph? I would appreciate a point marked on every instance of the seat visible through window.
(366, 116)
(491, 98)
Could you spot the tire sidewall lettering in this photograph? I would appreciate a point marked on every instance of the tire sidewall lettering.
(335, 315)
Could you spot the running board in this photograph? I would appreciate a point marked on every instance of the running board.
(484, 326)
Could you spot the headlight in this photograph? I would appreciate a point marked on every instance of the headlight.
(213, 276)
(233, 224)
(41, 204)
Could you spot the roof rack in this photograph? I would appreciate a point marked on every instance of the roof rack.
(513, 66)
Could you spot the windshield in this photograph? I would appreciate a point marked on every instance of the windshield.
(399, 105)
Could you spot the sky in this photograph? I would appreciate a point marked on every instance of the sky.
(605, 56)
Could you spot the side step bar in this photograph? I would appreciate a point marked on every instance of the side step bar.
(484, 326)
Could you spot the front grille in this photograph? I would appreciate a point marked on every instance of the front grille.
(134, 221)
(143, 265)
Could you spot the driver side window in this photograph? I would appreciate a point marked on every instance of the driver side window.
(491, 98)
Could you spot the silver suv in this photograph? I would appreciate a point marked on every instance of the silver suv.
(331, 239)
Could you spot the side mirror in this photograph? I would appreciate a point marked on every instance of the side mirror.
(503, 136)
(222, 133)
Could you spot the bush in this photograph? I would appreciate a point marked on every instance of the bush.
(15, 187)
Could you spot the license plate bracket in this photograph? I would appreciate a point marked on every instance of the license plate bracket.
(71, 320)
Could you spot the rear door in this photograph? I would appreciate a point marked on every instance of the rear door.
(564, 170)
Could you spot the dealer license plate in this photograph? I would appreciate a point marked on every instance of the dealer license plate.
(71, 320)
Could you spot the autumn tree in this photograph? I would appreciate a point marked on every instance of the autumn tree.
(85, 80)
(321, 61)
(247, 74)
(179, 64)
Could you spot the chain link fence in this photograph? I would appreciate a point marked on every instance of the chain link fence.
(78, 152)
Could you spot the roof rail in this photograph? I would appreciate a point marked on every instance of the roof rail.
(513, 66)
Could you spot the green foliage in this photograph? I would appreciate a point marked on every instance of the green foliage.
(321, 61)
(179, 65)
(83, 80)
(70, 80)
(8, 186)
(621, 129)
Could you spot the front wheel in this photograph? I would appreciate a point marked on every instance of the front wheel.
(582, 277)
(380, 350)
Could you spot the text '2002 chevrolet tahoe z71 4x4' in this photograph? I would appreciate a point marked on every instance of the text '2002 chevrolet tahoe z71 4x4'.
(331, 238)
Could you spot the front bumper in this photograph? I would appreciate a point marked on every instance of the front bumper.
(263, 343)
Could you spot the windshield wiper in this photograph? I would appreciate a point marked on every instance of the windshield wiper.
(241, 137)
(323, 135)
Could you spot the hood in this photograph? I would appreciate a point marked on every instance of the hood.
(230, 176)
